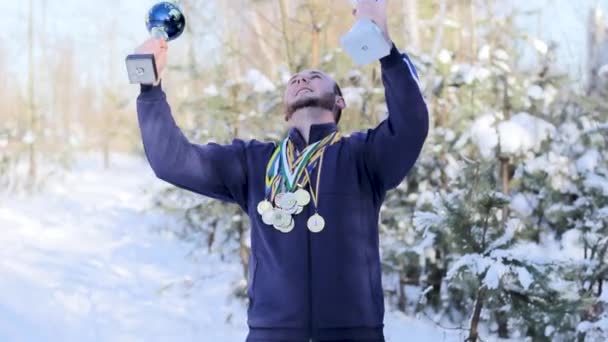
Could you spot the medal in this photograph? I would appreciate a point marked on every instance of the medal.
(264, 206)
(287, 201)
(277, 198)
(280, 218)
(287, 173)
(288, 228)
(302, 197)
(293, 210)
(316, 223)
(268, 216)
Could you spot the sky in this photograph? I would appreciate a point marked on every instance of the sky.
(87, 25)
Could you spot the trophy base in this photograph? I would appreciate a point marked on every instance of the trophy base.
(365, 43)
(141, 68)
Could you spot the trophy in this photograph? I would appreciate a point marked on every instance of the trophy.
(365, 42)
(165, 20)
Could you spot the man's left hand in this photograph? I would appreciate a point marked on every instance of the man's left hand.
(376, 11)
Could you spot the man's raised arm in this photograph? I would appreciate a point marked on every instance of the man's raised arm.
(391, 149)
(213, 170)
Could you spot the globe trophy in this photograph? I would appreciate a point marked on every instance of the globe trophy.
(165, 20)
(365, 42)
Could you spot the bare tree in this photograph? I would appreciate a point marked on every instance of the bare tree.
(597, 42)
(30, 95)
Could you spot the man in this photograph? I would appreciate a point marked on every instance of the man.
(313, 198)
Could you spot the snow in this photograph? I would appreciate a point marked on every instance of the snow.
(603, 71)
(523, 204)
(535, 92)
(484, 135)
(85, 261)
(424, 220)
(211, 90)
(524, 277)
(29, 137)
(588, 161)
(476, 263)
(88, 259)
(494, 274)
(520, 134)
(559, 169)
(484, 53)
(353, 96)
(444, 56)
(467, 73)
(523, 132)
(513, 225)
(259, 81)
(596, 182)
(540, 46)
(501, 54)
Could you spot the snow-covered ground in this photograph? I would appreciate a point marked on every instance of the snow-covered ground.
(88, 260)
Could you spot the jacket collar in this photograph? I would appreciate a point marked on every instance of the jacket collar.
(317, 132)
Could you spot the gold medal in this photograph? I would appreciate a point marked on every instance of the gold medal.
(316, 223)
(298, 210)
(264, 206)
(302, 197)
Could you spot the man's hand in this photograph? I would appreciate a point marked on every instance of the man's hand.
(158, 47)
(376, 11)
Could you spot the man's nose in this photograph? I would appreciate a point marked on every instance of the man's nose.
(302, 79)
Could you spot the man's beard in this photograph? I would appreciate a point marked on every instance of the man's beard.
(324, 101)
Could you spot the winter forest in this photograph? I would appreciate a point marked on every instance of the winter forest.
(498, 233)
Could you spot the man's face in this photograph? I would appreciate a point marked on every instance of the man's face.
(309, 88)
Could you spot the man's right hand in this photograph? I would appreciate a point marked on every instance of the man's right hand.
(158, 47)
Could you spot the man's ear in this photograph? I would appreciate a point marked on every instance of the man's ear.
(340, 103)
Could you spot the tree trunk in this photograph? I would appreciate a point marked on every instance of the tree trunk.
(286, 35)
(30, 103)
(597, 42)
(315, 45)
(473, 331)
(410, 20)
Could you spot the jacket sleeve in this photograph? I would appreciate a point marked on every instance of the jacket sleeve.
(391, 149)
(213, 170)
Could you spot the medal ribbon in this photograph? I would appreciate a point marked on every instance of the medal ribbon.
(318, 157)
(291, 170)
(284, 173)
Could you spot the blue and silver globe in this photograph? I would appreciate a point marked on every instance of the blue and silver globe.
(166, 20)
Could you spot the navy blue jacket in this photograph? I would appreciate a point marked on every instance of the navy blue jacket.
(303, 285)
